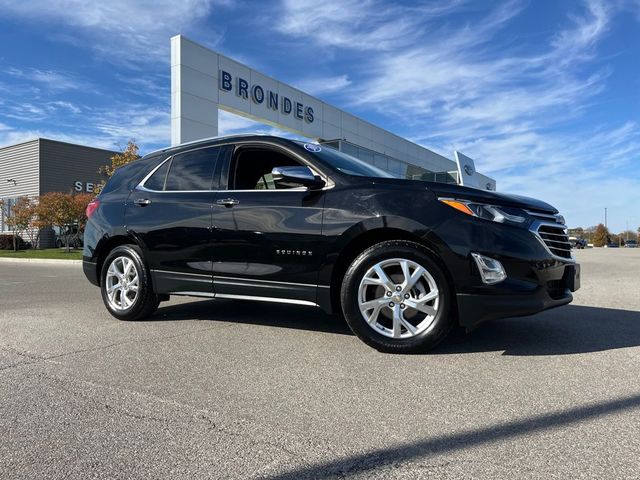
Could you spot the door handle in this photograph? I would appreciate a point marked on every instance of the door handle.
(143, 202)
(228, 202)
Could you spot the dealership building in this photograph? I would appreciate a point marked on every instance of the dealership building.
(202, 83)
(38, 166)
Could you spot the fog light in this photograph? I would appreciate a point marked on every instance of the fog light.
(491, 270)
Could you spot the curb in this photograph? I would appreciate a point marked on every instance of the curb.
(40, 260)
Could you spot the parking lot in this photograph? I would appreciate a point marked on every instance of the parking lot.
(223, 389)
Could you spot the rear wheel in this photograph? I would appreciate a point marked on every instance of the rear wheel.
(126, 284)
(396, 298)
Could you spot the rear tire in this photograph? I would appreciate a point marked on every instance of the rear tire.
(396, 298)
(126, 286)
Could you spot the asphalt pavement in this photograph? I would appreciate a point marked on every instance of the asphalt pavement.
(225, 389)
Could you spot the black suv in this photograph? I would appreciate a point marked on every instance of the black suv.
(270, 219)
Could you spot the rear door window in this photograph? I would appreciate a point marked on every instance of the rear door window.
(192, 170)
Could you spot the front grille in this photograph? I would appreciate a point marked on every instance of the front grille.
(556, 239)
(553, 232)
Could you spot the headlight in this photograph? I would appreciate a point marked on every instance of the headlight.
(494, 213)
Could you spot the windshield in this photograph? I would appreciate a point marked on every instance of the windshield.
(345, 163)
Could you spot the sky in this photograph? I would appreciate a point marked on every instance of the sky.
(544, 95)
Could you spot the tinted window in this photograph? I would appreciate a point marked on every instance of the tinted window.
(192, 170)
(350, 165)
(251, 168)
(156, 181)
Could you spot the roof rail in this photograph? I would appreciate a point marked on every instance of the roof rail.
(208, 139)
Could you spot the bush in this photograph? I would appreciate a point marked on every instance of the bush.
(6, 242)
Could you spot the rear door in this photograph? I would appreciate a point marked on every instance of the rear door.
(266, 239)
(170, 214)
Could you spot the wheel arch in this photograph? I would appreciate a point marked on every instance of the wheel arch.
(108, 245)
(362, 236)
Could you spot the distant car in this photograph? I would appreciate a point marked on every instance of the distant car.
(71, 235)
(578, 243)
(630, 244)
(611, 245)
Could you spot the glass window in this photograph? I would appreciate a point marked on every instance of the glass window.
(395, 166)
(156, 181)
(380, 161)
(348, 164)
(192, 170)
(366, 155)
(349, 149)
(252, 166)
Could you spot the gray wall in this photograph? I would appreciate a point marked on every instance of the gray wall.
(41, 165)
(19, 162)
(62, 164)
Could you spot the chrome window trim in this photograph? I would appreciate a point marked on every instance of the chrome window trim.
(329, 183)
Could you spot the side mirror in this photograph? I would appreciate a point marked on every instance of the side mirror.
(291, 177)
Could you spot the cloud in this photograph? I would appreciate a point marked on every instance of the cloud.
(357, 24)
(320, 85)
(123, 31)
(104, 127)
(65, 105)
(148, 125)
(52, 80)
(520, 109)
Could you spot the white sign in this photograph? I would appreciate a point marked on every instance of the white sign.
(467, 174)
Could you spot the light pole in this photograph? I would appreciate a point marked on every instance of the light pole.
(605, 217)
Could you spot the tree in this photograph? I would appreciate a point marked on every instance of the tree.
(127, 155)
(24, 213)
(80, 202)
(629, 235)
(57, 209)
(18, 218)
(63, 210)
(600, 236)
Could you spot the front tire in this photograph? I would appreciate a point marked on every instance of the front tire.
(126, 284)
(396, 298)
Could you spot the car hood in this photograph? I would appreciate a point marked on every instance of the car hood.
(486, 196)
(481, 196)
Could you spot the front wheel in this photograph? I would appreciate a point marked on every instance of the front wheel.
(397, 299)
(126, 284)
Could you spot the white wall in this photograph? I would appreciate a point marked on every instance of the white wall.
(197, 92)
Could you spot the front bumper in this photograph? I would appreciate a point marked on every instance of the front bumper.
(515, 298)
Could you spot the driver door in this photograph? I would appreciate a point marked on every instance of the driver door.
(266, 237)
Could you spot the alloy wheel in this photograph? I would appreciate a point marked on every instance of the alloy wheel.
(398, 298)
(122, 283)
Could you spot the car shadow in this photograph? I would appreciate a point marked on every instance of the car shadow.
(562, 331)
(254, 313)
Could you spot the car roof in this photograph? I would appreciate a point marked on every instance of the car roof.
(220, 139)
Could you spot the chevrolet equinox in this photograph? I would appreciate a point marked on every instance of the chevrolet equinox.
(275, 220)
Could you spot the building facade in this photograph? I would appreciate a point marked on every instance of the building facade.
(204, 81)
(38, 166)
